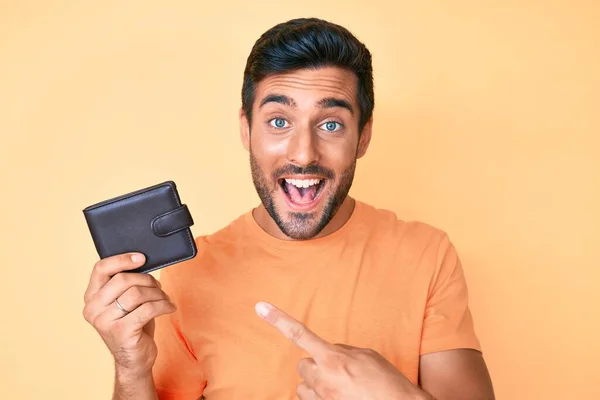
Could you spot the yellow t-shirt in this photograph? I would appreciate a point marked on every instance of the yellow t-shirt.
(378, 282)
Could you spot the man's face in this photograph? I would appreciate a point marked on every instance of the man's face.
(303, 144)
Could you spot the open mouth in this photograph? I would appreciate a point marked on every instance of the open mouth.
(302, 193)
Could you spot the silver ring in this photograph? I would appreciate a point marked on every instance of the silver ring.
(121, 307)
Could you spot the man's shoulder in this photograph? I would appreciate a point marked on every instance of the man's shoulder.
(389, 223)
(414, 243)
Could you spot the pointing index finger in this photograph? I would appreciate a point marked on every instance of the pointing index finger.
(294, 330)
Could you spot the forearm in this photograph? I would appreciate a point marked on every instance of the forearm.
(128, 387)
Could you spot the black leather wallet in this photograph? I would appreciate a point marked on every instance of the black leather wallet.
(151, 221)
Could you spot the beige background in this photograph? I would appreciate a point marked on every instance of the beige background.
(487, 125)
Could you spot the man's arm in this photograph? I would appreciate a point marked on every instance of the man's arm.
(451, 361)
(456, 375)
(129, 387)
(122, 307)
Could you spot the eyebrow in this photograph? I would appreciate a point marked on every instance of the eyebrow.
(278, 98)
(332, 102)
(328, 102)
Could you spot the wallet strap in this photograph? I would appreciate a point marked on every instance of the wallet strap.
(173, 221)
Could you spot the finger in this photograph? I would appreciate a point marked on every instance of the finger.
(98, 313)
(107, 267)
(346, 347)
(146, 312)
(122, 282)
(305, 392)
(308, 371)
(115, 288)
(294, 330)
(134, 321)
(134, 297)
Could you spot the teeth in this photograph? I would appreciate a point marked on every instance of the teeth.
(303, 183)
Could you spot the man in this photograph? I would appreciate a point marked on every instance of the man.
(312, 294)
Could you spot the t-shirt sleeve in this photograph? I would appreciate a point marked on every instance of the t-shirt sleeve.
(448, 323)
(176, 372)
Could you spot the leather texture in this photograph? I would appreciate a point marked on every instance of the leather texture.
(151, 221)
(172, 221)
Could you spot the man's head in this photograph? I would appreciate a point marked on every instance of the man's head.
(307, 104)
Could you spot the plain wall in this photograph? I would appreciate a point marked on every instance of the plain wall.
(486, 125)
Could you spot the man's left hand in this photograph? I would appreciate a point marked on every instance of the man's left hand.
(339, 371)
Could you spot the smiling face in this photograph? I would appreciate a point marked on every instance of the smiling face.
(304, 142)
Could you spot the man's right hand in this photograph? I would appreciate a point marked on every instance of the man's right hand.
(129, 334)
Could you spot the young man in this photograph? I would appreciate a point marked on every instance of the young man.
(313, 294)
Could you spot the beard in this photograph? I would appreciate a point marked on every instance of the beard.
(298, 225)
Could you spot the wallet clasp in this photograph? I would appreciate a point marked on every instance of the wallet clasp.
(173, 221)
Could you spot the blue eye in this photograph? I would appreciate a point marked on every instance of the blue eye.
(332, 125)
(278, 123)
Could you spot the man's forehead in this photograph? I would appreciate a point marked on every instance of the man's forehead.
(315, 84)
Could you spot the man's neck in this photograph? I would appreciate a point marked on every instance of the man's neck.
(264, 220)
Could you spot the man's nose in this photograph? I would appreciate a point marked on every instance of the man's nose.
(302, 148)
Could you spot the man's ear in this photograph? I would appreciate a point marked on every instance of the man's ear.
(244, 129)
(365, 139)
